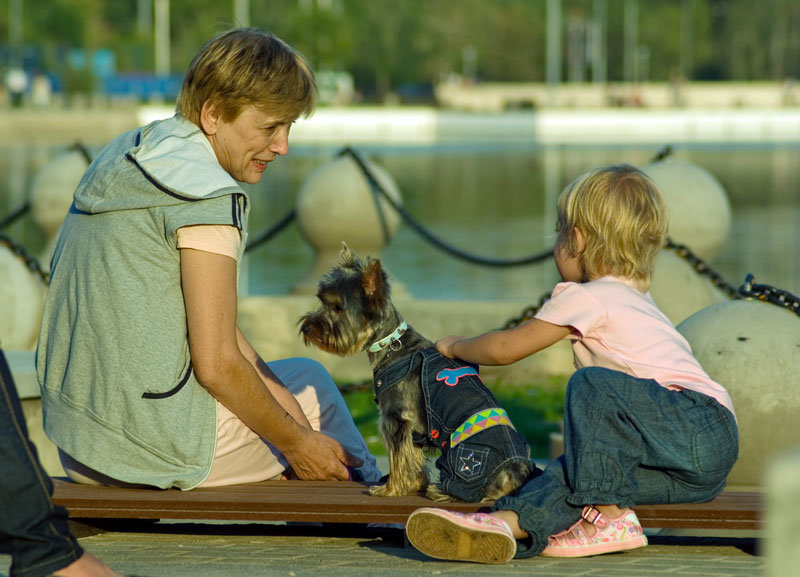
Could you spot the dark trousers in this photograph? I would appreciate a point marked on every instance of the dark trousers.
(34, 532)
(627, 442)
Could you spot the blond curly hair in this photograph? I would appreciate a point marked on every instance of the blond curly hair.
(623, 220)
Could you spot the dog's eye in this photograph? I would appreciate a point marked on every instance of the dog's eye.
(338, 308)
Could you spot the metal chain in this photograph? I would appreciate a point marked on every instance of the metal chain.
(527, 313)
(30, 262)
(769, 294)
(702, 268)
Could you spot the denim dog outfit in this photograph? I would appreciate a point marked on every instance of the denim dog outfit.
(465, 421)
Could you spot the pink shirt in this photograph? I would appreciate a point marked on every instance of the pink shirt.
(618, 327)
(216, 238)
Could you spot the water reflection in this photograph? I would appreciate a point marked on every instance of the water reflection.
(492, 200)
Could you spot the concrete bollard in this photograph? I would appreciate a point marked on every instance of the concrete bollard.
(679, 291)
(782, 542)
(752, 348)
(335, 204)
(51, 195)
(21, 303)
(699, 209)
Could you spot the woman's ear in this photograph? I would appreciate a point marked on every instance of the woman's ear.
(209, 118)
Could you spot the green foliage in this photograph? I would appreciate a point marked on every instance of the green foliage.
(385, 43)
(535, 411)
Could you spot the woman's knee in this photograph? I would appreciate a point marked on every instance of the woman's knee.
(301, 372)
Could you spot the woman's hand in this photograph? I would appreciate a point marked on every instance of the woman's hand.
(317, 457)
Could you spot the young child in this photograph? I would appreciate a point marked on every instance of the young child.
(643, 423)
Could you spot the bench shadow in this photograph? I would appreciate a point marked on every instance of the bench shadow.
(748, 545)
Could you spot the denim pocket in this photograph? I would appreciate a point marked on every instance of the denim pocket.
(469, 462)
(715, 441)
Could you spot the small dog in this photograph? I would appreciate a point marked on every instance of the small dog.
(425, 399)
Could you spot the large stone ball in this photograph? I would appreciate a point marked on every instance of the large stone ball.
(335, 204)
(53, 187)
(752, 348)
(21, 303)
(699, 208)
(679, 290)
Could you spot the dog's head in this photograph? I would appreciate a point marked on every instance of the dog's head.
(355, 306)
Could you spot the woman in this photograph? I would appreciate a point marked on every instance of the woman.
(146, 379)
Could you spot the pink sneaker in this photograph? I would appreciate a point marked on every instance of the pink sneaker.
(620, 534)
(476, 537)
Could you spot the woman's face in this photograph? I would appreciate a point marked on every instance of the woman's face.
(245, 146)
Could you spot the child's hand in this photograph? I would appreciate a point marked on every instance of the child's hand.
(445, 345)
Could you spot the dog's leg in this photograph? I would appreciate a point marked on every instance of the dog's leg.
(407, 474)
(507, 481)
(434, 492)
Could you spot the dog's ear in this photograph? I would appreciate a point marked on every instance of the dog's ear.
(347, 258)
(375, 284)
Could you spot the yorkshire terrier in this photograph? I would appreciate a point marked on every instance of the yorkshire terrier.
(425, 399)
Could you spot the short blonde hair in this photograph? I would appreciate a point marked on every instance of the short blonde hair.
(248, 66)
(623, 219)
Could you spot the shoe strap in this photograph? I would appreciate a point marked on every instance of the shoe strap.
(594, 516)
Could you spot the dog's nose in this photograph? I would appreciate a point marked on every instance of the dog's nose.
(304, 328)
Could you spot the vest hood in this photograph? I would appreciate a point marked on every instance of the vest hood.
(173, 154)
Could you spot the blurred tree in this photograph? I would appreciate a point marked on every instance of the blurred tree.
(385, 44)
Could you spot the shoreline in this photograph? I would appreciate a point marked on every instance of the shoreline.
(425, 126)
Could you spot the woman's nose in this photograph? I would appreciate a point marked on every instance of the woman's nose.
(280, 141)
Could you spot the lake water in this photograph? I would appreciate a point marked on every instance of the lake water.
(495, 200)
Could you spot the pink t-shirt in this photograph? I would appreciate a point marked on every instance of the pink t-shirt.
(618, 327)
(217, 238)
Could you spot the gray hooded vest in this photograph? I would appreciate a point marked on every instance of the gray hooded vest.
(113, 363)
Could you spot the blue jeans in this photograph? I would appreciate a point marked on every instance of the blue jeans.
(34, 532)
(627, 442)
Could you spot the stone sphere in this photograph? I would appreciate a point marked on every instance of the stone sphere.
(699, 208)
(679, 291)
(335, 204)
(21, 303)
(53, 187)
(752, 348)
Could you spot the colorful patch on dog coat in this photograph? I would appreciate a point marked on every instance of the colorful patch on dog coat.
(478, 422)
(451, 376)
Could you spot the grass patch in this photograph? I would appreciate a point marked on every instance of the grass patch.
(534, 409)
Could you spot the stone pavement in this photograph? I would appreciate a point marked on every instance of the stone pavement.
(253, 550)
(243, 549)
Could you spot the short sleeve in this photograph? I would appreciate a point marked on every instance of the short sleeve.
(572, 305)
(219, 239)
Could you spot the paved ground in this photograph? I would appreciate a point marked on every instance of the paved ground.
(192, 549)
(245, 550)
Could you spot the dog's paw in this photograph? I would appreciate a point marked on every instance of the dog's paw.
(383, 491)
(434, 493)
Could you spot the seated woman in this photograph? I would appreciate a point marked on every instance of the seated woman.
(146, 378)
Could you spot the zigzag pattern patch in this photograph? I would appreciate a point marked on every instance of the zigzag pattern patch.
(478, 422)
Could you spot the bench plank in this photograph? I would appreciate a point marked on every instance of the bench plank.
(345, 502)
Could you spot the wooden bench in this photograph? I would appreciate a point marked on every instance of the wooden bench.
(347, 502)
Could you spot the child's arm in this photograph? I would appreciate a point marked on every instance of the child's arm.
(503, 347)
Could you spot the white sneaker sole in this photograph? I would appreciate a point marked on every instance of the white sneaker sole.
(438, 535)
